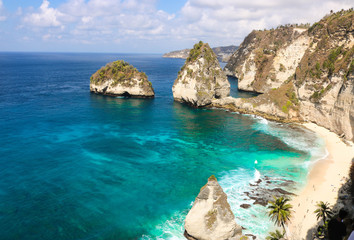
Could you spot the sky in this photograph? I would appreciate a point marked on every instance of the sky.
(146, 26)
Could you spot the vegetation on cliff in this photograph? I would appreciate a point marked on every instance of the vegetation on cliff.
(119, 78)
(329, 53)
(264, 45)
(283, 97)
(201, 78)
(120, 72)
(304, 72)
(210, 68)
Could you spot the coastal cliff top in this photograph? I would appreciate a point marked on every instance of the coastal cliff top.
(201, 50)
(202, 55)
(330, 53)
(119, 71)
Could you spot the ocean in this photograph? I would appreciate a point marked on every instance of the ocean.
(76, 165)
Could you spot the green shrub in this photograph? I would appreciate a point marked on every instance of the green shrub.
(195, 52)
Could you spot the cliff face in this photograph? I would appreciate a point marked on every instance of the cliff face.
(211, 217)
(325, 76)
(305, 74)
(223, 53)
(266, 59)
(201, 78)
(121, 79)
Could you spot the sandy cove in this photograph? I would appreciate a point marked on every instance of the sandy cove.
(325, 178)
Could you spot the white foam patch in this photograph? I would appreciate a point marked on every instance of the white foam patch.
(172, 229)
(234, 183)
(255, 219)
(257, 176)
(296, 137)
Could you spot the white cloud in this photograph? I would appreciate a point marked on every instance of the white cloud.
(229, 21)
(45, 17)
(46, 37)
(125, 22)
(2, 15)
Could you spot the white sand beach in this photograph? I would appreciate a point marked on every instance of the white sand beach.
(325, 178)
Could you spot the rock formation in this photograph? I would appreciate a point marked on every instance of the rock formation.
(121, 79)
(201, 79)
(178, 54)
(223, 53)
(211, 217)
(305, 73)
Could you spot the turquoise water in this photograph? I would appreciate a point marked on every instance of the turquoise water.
(75, 165)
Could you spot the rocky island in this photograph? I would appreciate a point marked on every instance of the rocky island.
(201, 78)
(119, 78)
(223, 53)
(305, 74)
(211, 217)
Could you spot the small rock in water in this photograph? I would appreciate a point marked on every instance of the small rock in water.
(245, 206)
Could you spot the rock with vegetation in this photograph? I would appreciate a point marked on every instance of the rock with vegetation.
(119, 78)
(266, 59)
(305, 73)
(211, 217)
(201, 78)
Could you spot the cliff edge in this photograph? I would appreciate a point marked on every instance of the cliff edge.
(305, 73)
(201, 78)
(119, 78)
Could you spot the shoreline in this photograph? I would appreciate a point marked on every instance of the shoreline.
(325, 178)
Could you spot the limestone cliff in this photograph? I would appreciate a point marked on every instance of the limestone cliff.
(211, 217)
(201, 78)
(121, 79)
(305, 74)
(266, 59)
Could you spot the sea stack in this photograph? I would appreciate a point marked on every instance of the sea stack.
(201, 78)
(211, 217)
(119, 78)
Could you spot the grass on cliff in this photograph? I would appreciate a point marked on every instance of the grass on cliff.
(328, 54)
(283, 97)
(120, 71)
(207, 72)
(201, 49)
(265, 44)
(195, 52)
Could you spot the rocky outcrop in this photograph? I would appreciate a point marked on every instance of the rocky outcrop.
(201, 78)
(211, 217)
(223, 53)
(178, 54)
(304, 74)
(121, 79)
(266, 59)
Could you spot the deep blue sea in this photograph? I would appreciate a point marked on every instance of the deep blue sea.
(75, 165)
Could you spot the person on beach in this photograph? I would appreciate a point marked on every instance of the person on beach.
(336, 227)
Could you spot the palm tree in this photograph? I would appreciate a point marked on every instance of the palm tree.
(323, 211)
(280, 211)
(275, 235)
